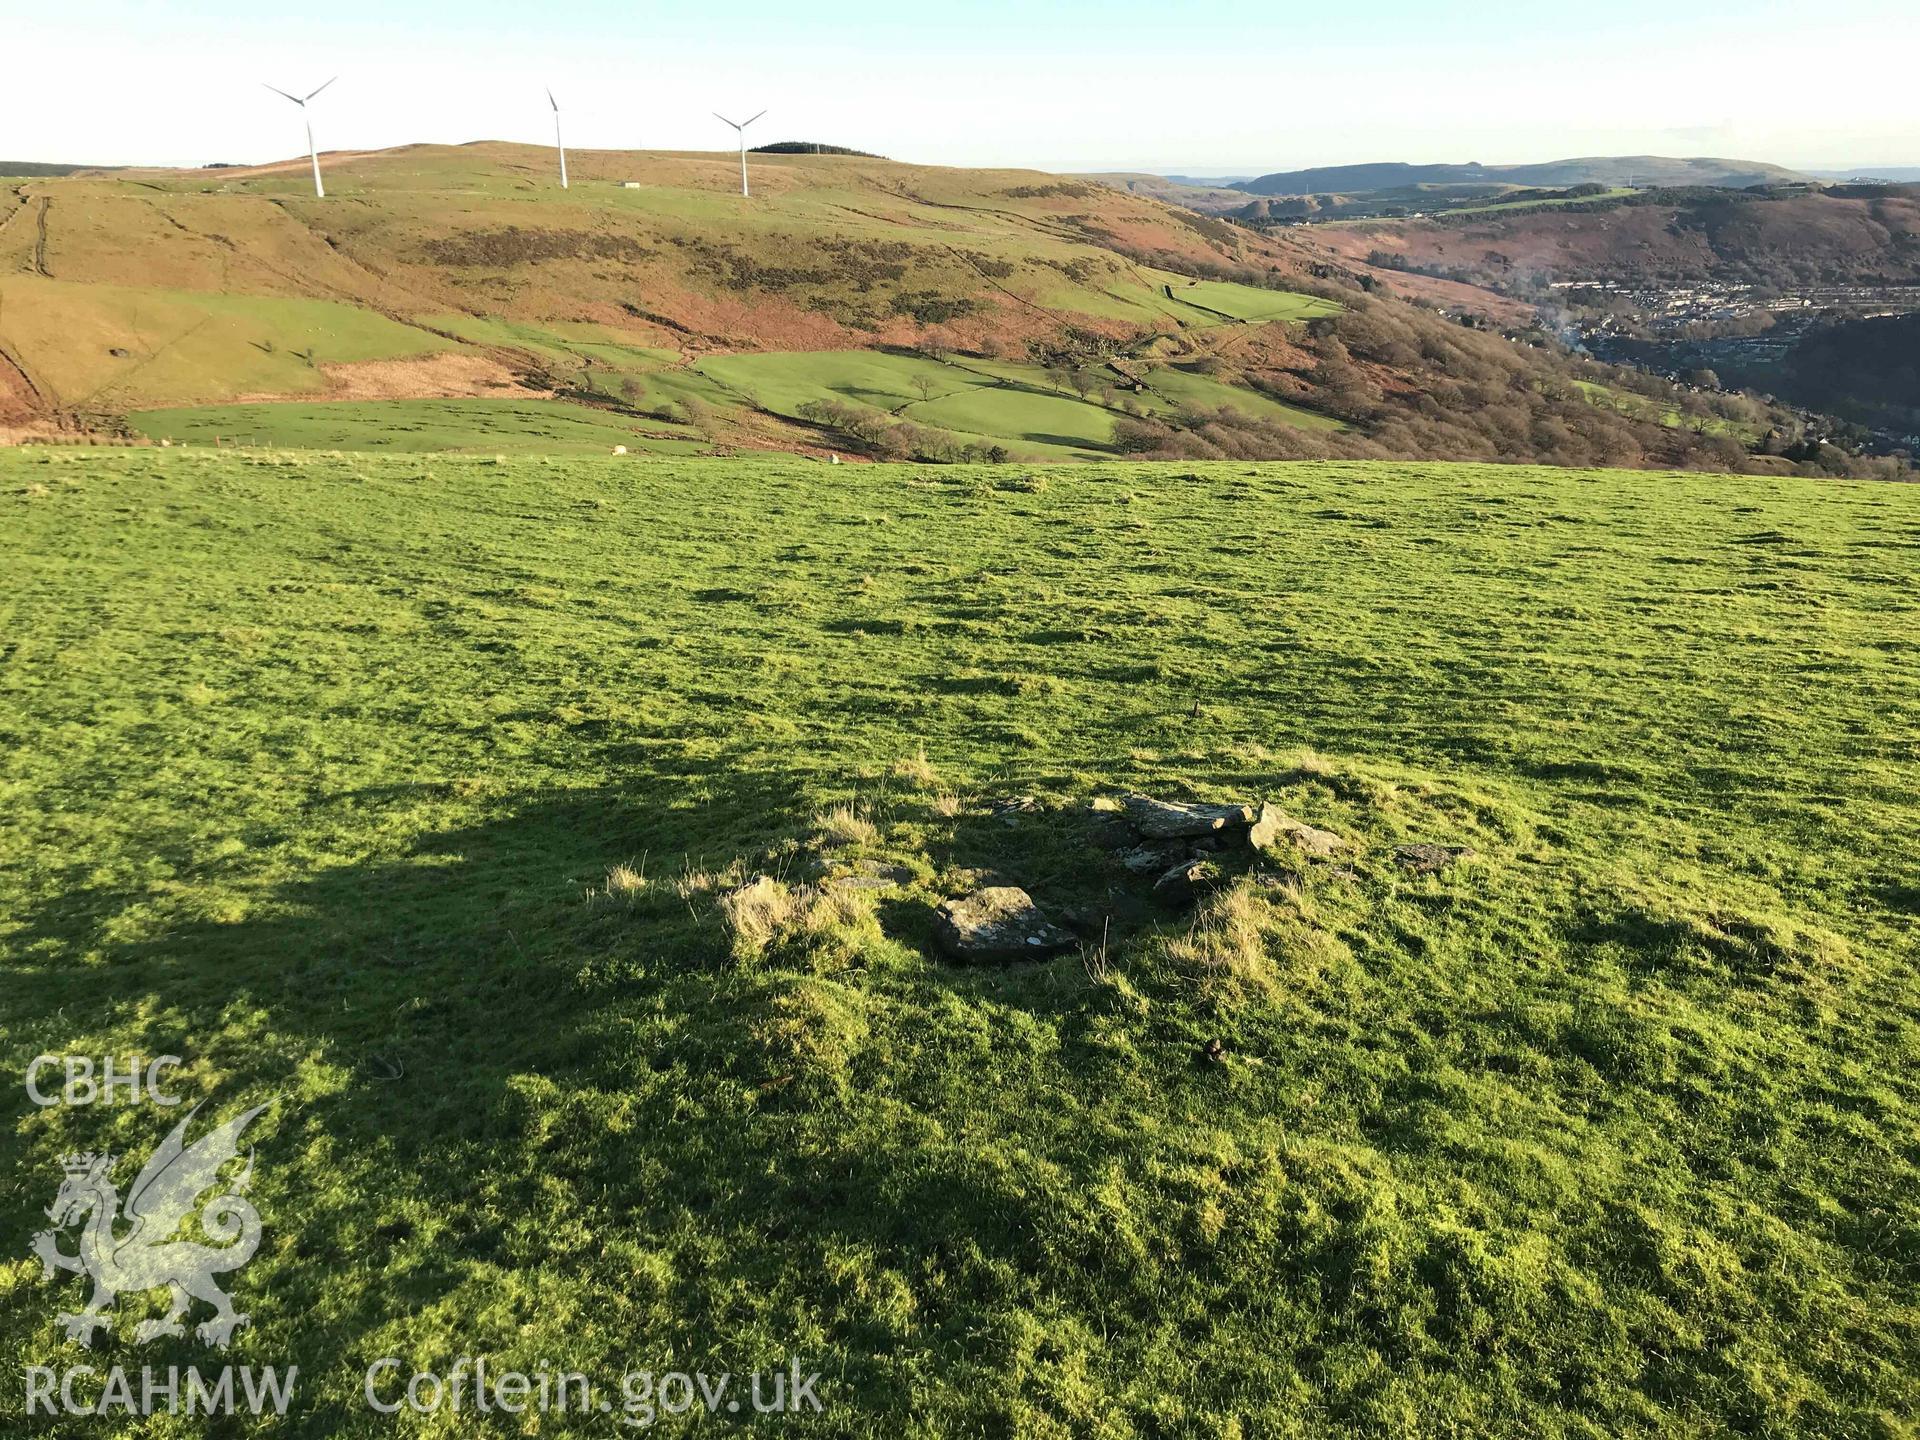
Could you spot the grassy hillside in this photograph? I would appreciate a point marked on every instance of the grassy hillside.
(126, 346)
(516, 426)
(1857, 235)
(19, 169)
(1208, 199)
(465, 272)
(413, 791)
(832, 249)
(1054, 318)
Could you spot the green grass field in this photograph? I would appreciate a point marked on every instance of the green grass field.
(1644, 407)
(1015, 403)
(1174, 387)
(557, 341)
(1246, 302)
(152, 290)
(317, 771)
(1498, 207)
(115, 345)
(519, 426)
(983, 400)
(986, 400)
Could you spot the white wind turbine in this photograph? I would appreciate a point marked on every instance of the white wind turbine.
(558, 143)
(742, 128)
(318, 188)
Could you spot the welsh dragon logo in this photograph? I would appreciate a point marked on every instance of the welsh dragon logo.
(148, 1256)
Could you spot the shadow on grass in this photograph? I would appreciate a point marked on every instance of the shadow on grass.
(474, 1059)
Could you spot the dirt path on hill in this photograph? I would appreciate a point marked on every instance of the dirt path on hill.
(1044, 224)
(40, 239)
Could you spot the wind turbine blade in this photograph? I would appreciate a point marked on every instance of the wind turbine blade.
(553, 102)
(745, 123)
(724, 121)
(283, 94)
(318, 91)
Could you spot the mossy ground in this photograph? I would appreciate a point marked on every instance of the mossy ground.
(321, 772)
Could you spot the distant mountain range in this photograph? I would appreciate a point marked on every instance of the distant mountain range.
(1181, 190)
(1864, 237)
(1206, 181)
(38, 167)
(1896, 174)
(1601, 170)
(1396, 188)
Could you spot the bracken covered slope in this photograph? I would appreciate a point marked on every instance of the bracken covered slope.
(944, 313)
(1857, 235)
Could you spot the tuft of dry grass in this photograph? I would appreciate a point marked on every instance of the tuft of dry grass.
(948, 805)
(691, 882)
(832, 910)
(844, 825)
(915, 770)
(624, 881)
(766, 913)
(1226, 946)
(758, 913)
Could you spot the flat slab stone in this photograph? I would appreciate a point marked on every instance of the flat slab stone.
(1274, 827)
(998, 923)
(1173, 820)
(1425, 859)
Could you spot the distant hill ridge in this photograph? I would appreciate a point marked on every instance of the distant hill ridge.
(1604, 170)
(26, 168)
(1861, 235)
(1890, 174)
(1060, 320)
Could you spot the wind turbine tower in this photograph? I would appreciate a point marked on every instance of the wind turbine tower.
(742, 128)
(318, 189)
(558, 143)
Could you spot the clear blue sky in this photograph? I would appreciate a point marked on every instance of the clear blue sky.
(1223, 86)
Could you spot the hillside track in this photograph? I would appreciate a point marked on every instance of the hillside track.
(40, 239)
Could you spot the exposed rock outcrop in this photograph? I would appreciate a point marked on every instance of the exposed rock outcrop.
(998, 923)
(1173, 820)
(1424, 859)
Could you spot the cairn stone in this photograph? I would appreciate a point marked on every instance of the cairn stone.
(1275, 828)
(1173, 820)
(1424, 859)
(999, 923)
(1187, 882)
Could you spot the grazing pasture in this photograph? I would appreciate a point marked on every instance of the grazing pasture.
(521, 425)
(1247, 303)
(107, 345)
(420, 795)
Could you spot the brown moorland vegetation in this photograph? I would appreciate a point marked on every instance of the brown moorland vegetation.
(440, 271)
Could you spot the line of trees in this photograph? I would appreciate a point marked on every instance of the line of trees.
(868, 431)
